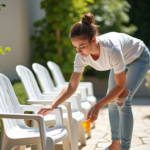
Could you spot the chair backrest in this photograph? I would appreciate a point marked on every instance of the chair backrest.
(29, 82)
(57, 74)
(8, 103)
(44, 78)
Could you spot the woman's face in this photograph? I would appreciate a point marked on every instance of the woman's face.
(83, 47)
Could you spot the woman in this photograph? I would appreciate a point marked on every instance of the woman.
(126, 57)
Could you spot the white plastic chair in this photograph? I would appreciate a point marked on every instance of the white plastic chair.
(48, 87)
(72, 118)
(60, 82)
(14, 130)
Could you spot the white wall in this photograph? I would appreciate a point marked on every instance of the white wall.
(16, 21)
(35, 12)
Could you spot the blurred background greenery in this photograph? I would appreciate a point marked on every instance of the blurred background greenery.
(51, 33)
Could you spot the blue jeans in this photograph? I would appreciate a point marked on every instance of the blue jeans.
(121, 118)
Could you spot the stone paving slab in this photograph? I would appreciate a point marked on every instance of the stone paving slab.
(101, 136)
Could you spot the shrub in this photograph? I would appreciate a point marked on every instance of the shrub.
(51, 36)
(112, 16)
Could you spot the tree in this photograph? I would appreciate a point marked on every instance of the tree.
(111, 15)
(139, 15)
(51, 36)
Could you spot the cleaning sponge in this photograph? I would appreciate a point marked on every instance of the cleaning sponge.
(86, 124)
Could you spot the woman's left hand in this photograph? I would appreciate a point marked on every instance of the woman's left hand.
(93, 113)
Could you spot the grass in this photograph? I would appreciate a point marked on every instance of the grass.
(20, 92)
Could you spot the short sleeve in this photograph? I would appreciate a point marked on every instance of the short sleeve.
(79, 63)
(117, 60)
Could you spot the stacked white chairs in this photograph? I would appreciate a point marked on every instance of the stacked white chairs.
(14, 130)
(73, 117)
(60, 82)
(48, 87)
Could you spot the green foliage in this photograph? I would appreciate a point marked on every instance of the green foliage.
(140, 16)
(51, 36)
(7, 49)
(20, 92)
(111, 15)
(51, 33)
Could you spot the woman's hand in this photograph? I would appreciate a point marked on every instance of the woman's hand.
(93, 113)
(45, 110)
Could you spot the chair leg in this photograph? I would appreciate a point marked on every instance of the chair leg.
(82, 135)
(49, 144)
(66, 145)
(75, 134)
(69, 135)
(72, 129)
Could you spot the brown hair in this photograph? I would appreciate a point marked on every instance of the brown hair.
(85, 29)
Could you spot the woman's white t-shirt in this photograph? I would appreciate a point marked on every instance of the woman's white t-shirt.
(116, 51)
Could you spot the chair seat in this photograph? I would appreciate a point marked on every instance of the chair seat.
(57, 134)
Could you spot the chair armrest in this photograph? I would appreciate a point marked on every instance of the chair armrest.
(74, 99)
(57, 111)
(21, 116)
(38, 118)
(30, 108)
(67, 104)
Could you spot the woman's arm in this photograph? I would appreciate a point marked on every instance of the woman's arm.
(64, 94)
(116, 91)
(68, 90)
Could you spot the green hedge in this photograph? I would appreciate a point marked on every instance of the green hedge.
(112, 16)
(51, 38)
(140, 16)
(51, 34)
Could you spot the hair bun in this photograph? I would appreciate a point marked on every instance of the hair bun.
(88, 18)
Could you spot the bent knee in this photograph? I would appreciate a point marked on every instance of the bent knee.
(122, 98)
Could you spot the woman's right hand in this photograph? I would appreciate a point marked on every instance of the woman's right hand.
(45, 110)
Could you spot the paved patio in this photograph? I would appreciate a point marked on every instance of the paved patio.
(141, 133)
